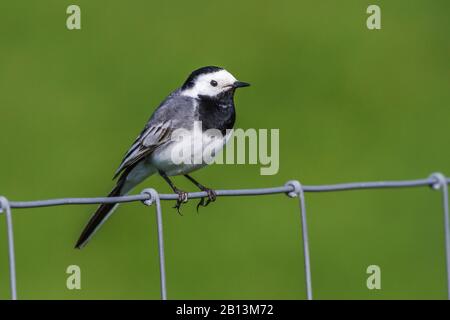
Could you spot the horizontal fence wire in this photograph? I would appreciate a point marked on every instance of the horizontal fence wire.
(292, 188)
(229, 193)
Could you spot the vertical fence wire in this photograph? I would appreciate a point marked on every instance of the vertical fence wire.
(298, 192)
(5, 207)
(441, 184)
(154, 198)
(305, 245)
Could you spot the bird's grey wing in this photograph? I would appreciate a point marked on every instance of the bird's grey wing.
(175, 112)
(149, 139)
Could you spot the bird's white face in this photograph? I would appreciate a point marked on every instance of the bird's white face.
(211, 84)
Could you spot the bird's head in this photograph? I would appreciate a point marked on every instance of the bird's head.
(210, 82)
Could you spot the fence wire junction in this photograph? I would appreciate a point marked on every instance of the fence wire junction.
(292, 188)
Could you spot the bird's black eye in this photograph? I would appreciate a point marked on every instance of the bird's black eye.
(213, 83)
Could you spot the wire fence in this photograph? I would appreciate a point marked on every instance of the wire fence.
(293, 188)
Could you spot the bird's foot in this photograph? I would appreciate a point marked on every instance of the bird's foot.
(211, 198)
(182, 198)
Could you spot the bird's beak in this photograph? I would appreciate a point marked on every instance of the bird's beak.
(240, 84)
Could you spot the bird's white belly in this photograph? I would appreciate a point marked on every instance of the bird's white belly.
(193, 152)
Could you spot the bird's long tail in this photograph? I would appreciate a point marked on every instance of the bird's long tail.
(99, 217)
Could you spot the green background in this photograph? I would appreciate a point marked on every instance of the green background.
(351, 104)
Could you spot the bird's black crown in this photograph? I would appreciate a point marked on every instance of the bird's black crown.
(194, 75)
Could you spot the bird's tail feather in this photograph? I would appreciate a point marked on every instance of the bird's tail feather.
(99, 217)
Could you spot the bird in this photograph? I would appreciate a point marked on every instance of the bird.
(205, 98)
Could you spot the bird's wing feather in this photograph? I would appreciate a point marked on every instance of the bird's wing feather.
(150, 138)
(175, 112)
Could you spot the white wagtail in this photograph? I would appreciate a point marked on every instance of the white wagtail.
(206, 97)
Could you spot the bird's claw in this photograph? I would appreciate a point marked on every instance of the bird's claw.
(211, 198)
(182, 198)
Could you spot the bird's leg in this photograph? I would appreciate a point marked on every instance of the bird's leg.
(182, 196)
(211, 193)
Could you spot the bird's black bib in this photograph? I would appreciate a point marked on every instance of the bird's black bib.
(217, 112)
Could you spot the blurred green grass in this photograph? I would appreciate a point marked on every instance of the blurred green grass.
(351, 105)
